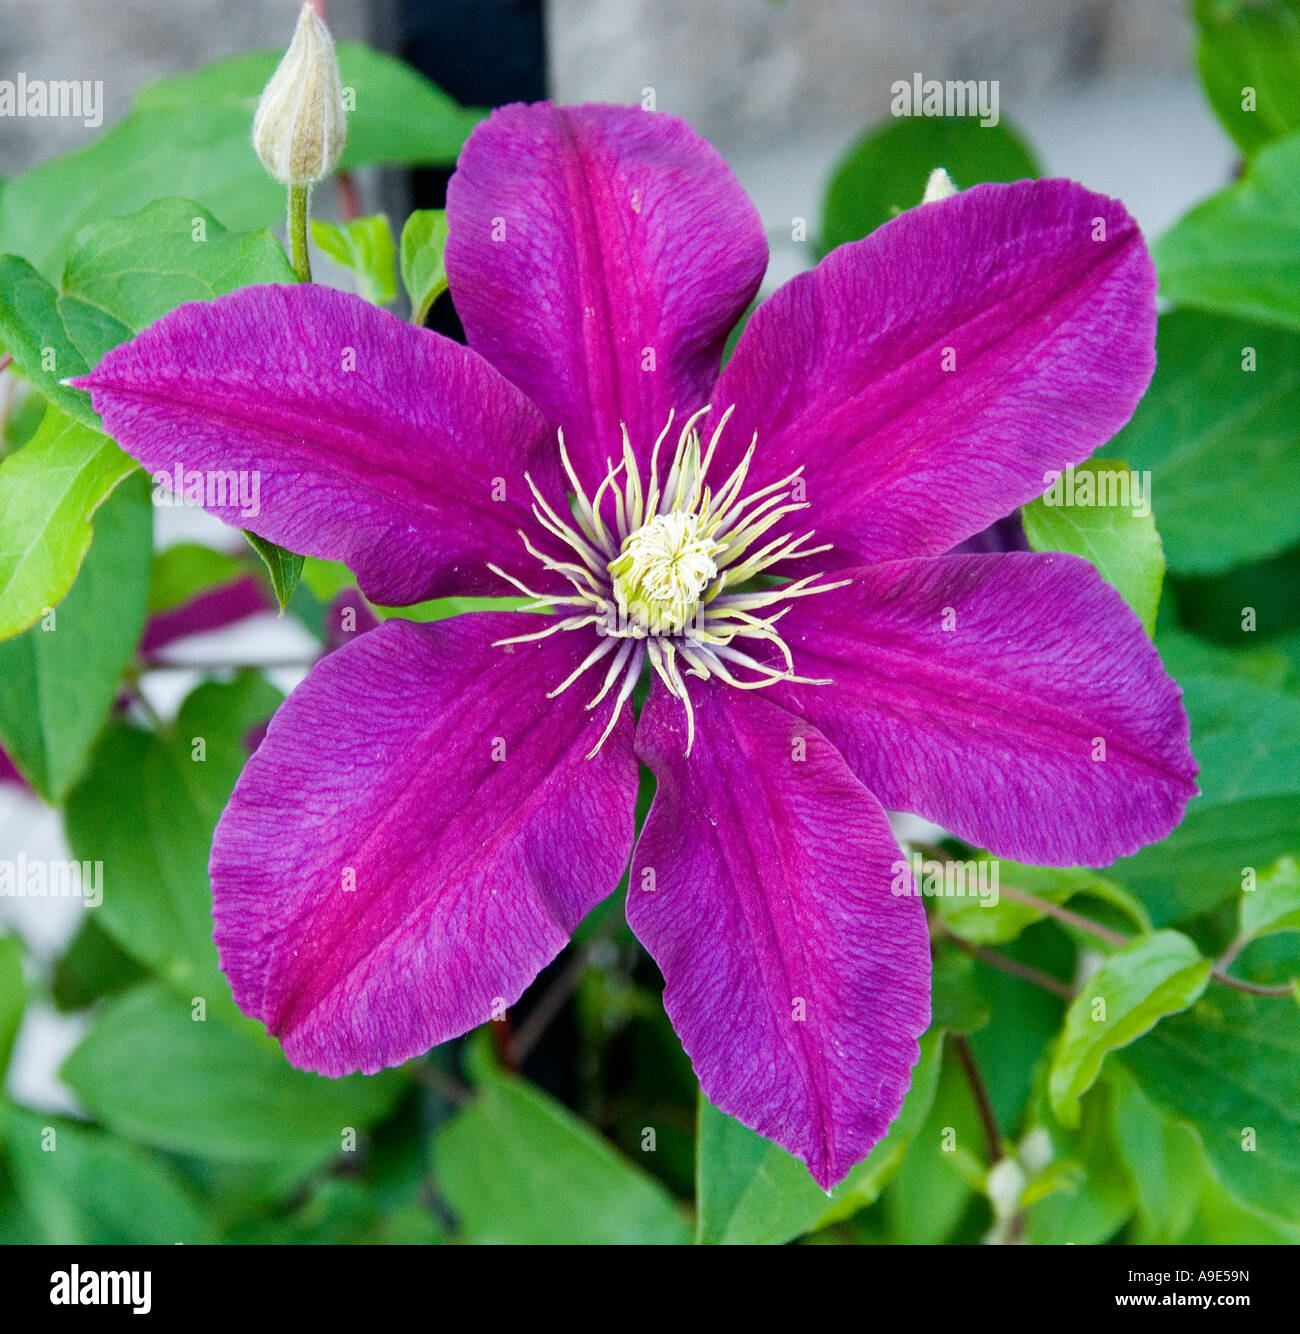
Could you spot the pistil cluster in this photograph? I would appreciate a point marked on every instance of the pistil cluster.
(672, 572)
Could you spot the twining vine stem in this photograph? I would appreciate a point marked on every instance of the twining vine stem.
(1114, 938)
(1061, 914)
(1003, 962)
(980, 1093)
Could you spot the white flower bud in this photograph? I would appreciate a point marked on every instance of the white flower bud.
(939, 186)
(300, 124)
(1006, 1184)
(1036, 1150)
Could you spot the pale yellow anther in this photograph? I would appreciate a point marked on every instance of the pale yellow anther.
(663, 570)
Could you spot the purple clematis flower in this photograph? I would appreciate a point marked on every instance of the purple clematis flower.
(437, 806)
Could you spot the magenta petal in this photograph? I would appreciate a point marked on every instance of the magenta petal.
(347, 616)
(368, 441)
(1013, 699)
(416, 837)
(1050, 330)
(599, 256)
(212, 609)
(9, 775)
(796, 979)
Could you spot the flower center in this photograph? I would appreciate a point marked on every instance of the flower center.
(663, 570)
(671, 571)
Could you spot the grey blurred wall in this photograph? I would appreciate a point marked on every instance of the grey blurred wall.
(781, 88)
(1102, 89)
(761, 69)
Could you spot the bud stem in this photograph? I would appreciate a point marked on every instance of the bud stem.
(298, 232)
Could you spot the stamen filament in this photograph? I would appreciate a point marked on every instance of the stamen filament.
(605, 647)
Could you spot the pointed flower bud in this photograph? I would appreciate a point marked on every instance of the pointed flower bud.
(300, 124)
(939, 186)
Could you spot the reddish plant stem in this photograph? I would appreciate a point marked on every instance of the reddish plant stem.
(348, 195)
(503, 1042)
(1114, 938)
(1005, 964)
(980, 1093)
(1064, 915)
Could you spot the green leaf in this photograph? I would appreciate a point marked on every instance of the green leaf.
(1255, 46)
(1095, 512)
(1163, 1159)
(25, 409)
(32, 331)
(885, 172)
(1026, 1019)
(929, 1194)
(1246, 739)
(1231, 1070)
(956, 1002)
(185, 570)
(157, 904)
(1219, 433)
(1238, 253)
(518, 1169)
(399, 118)
(1247, 606)
(441, 608)
(152, 1072)
(94, 965)
(192, 133)
(1186, 655)
(13, 998)
(58, 679)
(49, 490)
(1001, 920)
(424, 275)
(284, 567)
(85, 1188)
(1223, 1221)
(123, 274)
(1274, 903)
(1156, 975)
(752, 1192)
(326, 578)
(1101, 1199)
(342, 1212)
(17, 1226)
(365, 247)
